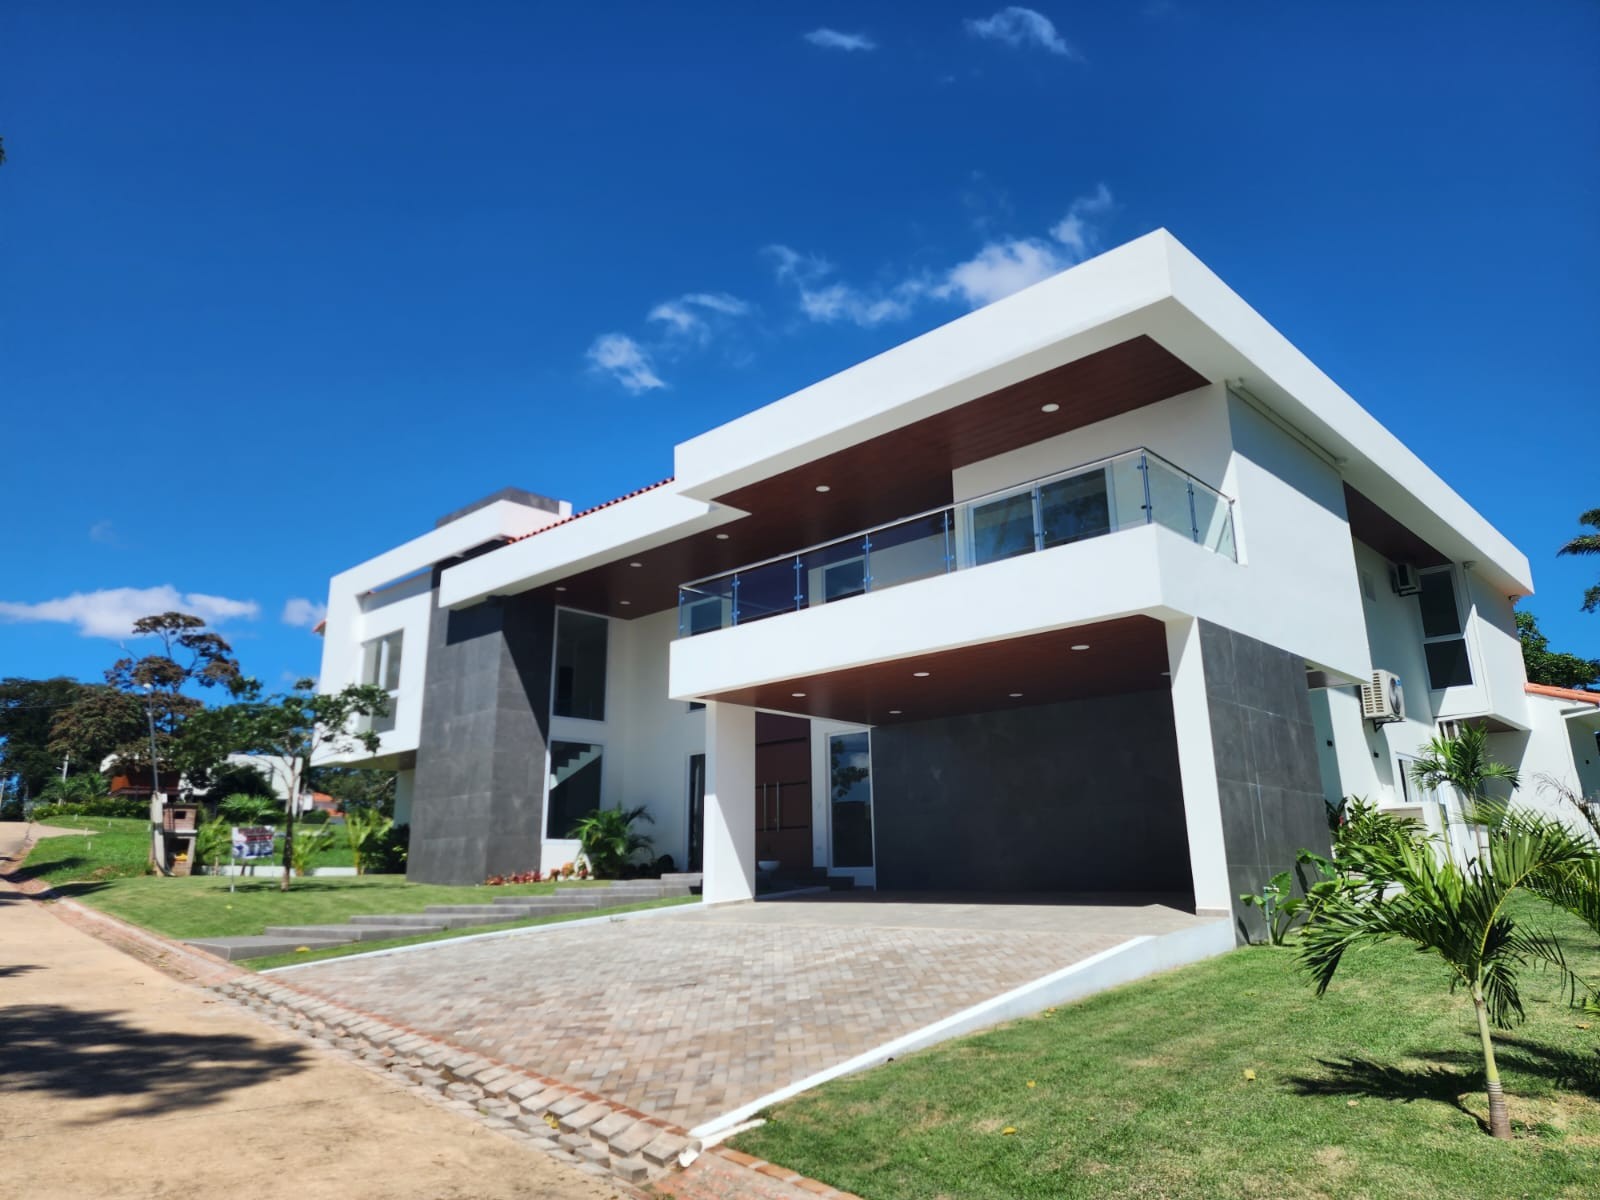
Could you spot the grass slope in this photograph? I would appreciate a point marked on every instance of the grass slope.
(283, 960)
(107, 871)
(1373, 1091)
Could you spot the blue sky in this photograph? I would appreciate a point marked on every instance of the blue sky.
(279, 286)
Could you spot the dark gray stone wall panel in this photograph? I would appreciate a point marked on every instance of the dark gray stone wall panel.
(1266, 755)
(1080, 796)
(480, 755)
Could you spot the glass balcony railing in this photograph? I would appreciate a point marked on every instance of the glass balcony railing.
(1135, 488)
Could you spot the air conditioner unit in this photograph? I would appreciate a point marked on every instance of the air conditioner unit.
(1383, 700)
(1403, 577)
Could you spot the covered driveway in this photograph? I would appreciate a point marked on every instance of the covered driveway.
(692, 1013)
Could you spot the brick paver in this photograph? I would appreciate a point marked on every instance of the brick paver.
(688, 1016)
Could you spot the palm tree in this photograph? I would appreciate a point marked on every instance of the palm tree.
(1463, 763)
(1460, 914)
(1587, 543)
(608, 840)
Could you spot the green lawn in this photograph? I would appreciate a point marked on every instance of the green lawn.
(283, 960)
(1373, 1091)
(107, 871)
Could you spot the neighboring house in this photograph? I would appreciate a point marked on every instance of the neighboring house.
(1080, 592)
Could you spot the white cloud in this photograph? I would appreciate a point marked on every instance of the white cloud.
(111, 612)
(1000, 267)
(686, 316)
(832, 39)
(1017, 26)
(626, 361)
(103, 532)
(826, 301)
(303, 613)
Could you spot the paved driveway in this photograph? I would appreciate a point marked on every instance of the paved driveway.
(690, 1014)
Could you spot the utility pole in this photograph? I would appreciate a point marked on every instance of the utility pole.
(65, 758)
(155, 778)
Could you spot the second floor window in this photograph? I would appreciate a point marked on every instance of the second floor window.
(580, 683)
(1444, 643)
(380, 666)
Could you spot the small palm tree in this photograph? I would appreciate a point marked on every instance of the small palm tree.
(365, 828)
(1587, 543)
(1460, 914)
(1463, 763)
(608, 840)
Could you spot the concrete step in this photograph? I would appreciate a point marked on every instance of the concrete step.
(422, 920)
(508, 912)
(350, 933)
(259, 945)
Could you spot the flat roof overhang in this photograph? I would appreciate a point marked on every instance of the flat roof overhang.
(1124, 655)
(1151, 291)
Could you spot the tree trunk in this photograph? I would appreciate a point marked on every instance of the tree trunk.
(288, 826)
(1499, 1118)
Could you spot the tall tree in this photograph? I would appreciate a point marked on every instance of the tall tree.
(29, 708)
(187, 657)
(1552, 667)
(293, 729)
(1587, 543)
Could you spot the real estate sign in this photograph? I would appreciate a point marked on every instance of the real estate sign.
(252, 841)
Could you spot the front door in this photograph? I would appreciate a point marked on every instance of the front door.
(783, 792)
(849, 783)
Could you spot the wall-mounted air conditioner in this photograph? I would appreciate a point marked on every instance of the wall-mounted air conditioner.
(1403, 577)
(1383, 700)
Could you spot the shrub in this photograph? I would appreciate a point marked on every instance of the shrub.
(240, 809)
(365, 828)
(387, 856)
(105, 806)
(608, 841)
(317, 816)
(515, 877)
(308, 843)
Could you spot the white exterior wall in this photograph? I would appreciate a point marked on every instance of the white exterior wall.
(1560, 747)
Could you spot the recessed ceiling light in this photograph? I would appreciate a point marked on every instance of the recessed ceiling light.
(1166, 672)
(722, 537)
(624, 602)
(1050, 408)
(561, 587)
(920, 674)
(636, 564)
(1016, 695)
(798, 695)
(895, 712)
(822, 487)
(1081, 646)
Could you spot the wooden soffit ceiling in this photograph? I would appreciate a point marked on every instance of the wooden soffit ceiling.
(1372, 525)
(1125, 655)
(896, 474)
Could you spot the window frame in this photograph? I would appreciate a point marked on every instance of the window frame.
(555, 666)
(1463, 616)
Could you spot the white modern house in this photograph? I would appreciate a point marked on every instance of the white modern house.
(1102, 588)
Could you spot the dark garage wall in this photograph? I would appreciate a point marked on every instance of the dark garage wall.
(481, 751)
(1082, 796)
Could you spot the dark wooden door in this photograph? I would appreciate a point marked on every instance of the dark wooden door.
(783, 790)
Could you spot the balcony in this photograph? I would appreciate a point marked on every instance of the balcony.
(1135, 488)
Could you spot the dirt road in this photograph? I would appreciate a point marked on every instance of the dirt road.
(118, 1082)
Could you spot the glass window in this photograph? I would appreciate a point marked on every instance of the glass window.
(574, 786)
(1075, 508)
(1448, 664)
(580, 666)
(1002, 528)
(380, 667)
(1438, 601)
(1443, 646)
(850, 780)
(842, 579)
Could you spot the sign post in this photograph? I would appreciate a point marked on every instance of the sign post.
(251, 842)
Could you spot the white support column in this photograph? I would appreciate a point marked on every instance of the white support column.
(730, 805)
(1197, 767)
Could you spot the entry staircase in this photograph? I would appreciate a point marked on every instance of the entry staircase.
(440, 918)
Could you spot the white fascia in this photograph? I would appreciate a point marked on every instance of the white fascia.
(632, 526)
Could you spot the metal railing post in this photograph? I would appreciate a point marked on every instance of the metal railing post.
(735, 590)
(799, 594)
(1144, 469)
(866, 563)
(1194, 519)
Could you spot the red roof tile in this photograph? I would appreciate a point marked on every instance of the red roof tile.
(1559, 693)
(568, 520)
